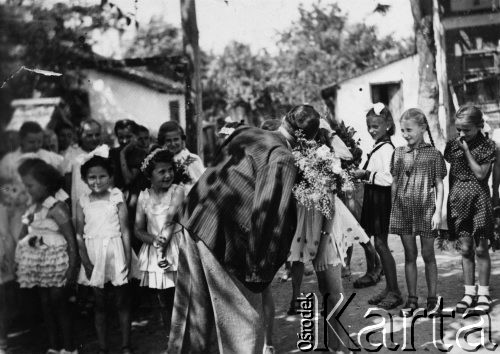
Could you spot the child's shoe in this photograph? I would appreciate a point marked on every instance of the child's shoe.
(64, 351)
(53, 351)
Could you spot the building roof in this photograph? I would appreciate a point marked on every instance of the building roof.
(133, 69)
(328, 89)
(143, 76)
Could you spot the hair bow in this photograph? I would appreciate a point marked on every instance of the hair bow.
(101, 150)
(324, 124)
(378, 107)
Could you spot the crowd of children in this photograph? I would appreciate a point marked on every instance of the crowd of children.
(117, 226)
(80, 215)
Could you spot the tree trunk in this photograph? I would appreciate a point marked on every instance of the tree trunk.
(441, 72)
(422, 11)
(194, 116)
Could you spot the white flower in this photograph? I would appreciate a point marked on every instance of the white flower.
(336, 166)
(323, 152)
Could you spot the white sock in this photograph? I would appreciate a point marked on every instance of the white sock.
(483, 290)
(470, 290)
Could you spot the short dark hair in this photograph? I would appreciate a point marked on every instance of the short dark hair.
(141, 129)
(62, 126)
(386, 115)
(305, 118)
(124, 124)
(167, 127)
(29, 128)
(471, 113)
(94, 162)
(162, 155)
(43, 173)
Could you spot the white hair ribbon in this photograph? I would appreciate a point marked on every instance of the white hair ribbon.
(101, 150)
(324, 124)
(378, 107)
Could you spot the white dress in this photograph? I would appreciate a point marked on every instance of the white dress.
(342, 230)
(103, 240)
(156, 208)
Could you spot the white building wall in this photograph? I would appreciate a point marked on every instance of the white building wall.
(113, 98)
(354, 97)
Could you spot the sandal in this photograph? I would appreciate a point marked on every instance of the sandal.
(410, 306)
(483, 304)
(366, 280)
(434, 305)
(269, 349)
(463, 305)
(391, 301)
(377, 298)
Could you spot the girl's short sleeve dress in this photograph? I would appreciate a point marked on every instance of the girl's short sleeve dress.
(470, 210)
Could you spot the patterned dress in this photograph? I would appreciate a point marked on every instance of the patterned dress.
(470, 211)
(156, 209)
(41, 256)
(415, 172)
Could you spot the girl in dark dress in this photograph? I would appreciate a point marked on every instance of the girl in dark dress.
(375, 215)
(470, 212)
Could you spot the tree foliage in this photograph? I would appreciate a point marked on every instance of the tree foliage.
(319, 49)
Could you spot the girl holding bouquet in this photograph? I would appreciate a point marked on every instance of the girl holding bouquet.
(157, 208)
(323, 223)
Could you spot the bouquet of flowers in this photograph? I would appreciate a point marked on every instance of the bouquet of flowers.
(321, 176)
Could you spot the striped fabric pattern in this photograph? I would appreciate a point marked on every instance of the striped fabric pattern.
(243, 208)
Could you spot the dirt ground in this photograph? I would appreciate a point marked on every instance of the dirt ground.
(148, 336)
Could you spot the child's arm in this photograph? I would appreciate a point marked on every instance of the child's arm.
(480, 171)
(436, 218)
(496, 178)
(60, 214)
(177, 201)
(140, 226)
(123, 217)
(82, 249)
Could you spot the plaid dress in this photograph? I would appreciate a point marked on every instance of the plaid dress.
(470, 212)
(414, 203)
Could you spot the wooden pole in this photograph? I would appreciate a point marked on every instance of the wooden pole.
(441, 72)
(194, 116)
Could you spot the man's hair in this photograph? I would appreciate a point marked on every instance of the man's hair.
(270, 124)
(304, 118)
(29, 128)
(124, 124)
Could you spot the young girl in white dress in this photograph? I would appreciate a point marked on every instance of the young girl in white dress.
(157, 207)
(104, 244)
(46, 254)
(324, 242)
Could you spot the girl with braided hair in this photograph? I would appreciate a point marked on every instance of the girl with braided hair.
(418, 170)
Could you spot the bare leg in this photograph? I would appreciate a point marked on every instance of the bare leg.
(62, 311)
(483, 262)
(297, 273)
(431, 271)
(123, 304)
(100, 317)
(468, 265)
(388, 263)
(330, 282)
(269, 312)
(3, 317)
(166, 300)
(411, 252)
(49, 317)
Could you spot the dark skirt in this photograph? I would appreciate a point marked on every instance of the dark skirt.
(376, 212)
